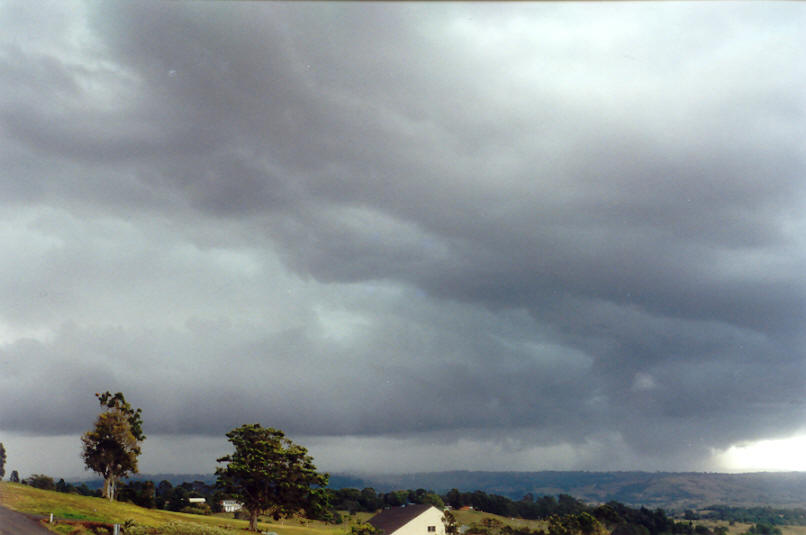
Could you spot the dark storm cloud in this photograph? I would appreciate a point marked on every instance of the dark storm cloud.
(360, 394)
(381, 220)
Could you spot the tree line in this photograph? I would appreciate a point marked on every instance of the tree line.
(144, 493)
(755, 515)
(565, 514)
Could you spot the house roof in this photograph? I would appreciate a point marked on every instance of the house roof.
(390, 520)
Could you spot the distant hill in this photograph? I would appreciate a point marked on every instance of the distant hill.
(653, 489)
(668, 490)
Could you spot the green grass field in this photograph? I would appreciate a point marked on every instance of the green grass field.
(467, 518)
(29, 500)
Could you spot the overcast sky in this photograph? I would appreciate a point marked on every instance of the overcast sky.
(413, 236)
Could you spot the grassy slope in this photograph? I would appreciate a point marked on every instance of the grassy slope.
(71, 506)
(466, 518)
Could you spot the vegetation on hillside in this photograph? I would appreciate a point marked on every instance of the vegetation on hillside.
(670, 491)
(78, 512)
(755, 515)
(75, 510)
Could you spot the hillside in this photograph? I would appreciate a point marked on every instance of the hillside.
(655, 489)
(668, 490)
(70, 509)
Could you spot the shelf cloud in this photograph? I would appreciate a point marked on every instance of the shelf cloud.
(540, 235)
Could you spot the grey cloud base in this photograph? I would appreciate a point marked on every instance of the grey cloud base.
(542, 230)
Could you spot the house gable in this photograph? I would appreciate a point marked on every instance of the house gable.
(420, 519)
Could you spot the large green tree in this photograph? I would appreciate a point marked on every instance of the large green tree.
(111, 448)
(270, 474)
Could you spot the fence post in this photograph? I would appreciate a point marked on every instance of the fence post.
(116, 529)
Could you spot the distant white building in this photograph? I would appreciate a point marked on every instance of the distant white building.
(230, 506)
(420, 519)
(197, 500)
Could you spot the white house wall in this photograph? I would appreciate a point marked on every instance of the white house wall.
(419, 524)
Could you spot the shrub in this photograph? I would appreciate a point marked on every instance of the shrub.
(365, 529)
(71, 527)
(764, 529)
(177, 528)
(41, 481)
(198, 509)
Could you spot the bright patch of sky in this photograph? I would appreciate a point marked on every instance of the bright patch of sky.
(783, 454)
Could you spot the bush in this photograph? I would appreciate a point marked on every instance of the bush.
(198, 509)
(763, 529)
(630, 529)
(97, 527)
(365, 529)
(79, 526)
(41, 481)
(176, 528)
